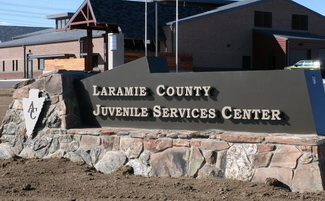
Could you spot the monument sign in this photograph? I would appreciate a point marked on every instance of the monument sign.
(144, 94)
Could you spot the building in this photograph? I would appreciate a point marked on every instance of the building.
(32, 52)
(251, 34)
(213, 35)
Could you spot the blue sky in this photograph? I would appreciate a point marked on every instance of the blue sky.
(34, 12)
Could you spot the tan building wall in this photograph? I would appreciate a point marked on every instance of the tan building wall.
(17, 53)
(8, 55)
(11, 56)
(54, 48)
(221, 40)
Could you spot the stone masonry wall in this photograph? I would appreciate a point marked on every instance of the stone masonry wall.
(60, 109)
(295, 160)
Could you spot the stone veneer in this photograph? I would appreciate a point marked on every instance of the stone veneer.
(296, 160)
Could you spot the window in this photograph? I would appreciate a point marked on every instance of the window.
(13, 65)
(308, 63)
(61, 23)
(247, 62)
(263, 19)
(40, 64)
(300, 22)
(16, 65)
(95, 61)
(83, 46)
(300, 63)
(3, 66)
(271, 62)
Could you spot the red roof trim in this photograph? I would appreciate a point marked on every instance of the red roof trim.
(89, 17)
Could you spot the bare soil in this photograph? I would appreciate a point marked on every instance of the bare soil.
(60, 179)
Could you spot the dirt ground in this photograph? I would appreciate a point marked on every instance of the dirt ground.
(5, 100)
(60, 179)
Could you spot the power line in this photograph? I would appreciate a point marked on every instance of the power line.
(22, 22)
(27, 12)
(22, 15)
(33, 6)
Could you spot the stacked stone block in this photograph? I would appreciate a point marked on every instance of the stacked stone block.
(166, 153)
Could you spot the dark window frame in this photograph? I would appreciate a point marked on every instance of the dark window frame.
(95, 61)
(61, 23)
(39, 66)
(299, 22)
(247, 62)
(13, 65)
(263, 19)
(83, 44)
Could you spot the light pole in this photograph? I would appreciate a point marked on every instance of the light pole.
(176, 56)
(145, 28)
(156, 26)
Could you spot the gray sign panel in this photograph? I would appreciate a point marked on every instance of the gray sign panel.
(144, 94)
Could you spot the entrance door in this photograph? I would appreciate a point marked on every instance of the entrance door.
(30, 68)
(321, 54)
(297, 55)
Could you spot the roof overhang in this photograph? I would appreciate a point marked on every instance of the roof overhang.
(60, 15)
(50, 56)
(291, 35)
(85, 54)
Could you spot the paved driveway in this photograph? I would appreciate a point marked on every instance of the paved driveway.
(7, 84)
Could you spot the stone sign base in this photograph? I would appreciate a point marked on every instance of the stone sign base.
(296, 160)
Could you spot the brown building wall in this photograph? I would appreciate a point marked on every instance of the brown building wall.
(64, 64)
(221, 40)
(98, 47)
(313, 48)
(270, 58)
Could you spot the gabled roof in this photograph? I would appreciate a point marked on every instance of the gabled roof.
(221, 9)
(50, 36)
(203, 1)
(231, 7)
(8, 32)
(129, 16)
